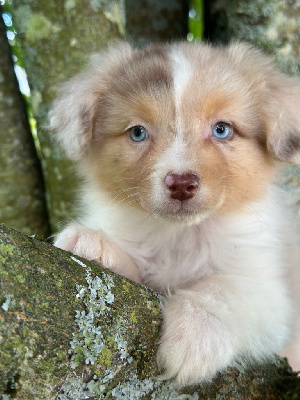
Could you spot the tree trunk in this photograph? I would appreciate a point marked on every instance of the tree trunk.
(152, 21)
(23, 205)
(271, 25)
(57, 39)
(70, 329)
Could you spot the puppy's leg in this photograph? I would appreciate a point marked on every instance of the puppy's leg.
(292, 352)
(219, 321)
(95, 245)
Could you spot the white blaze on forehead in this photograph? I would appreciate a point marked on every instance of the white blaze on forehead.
(182, 73)
(176, 158)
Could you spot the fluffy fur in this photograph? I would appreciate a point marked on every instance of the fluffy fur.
(227, 255)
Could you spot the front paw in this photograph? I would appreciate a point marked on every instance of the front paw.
(94, 245)
(82, 241)
(195, 345)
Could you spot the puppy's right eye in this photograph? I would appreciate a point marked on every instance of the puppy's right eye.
(138, 133)
(222, 130)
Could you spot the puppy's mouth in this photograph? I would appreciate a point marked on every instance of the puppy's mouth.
(181, 198)
(181, 211)
(189, 211)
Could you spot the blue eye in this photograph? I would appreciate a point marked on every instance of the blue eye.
(138, 133)
(222, 130)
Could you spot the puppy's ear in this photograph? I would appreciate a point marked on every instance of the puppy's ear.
(283, 115)
(72, 115)
(279, 99)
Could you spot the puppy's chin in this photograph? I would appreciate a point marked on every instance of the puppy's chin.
(183, 217)
(178, 212)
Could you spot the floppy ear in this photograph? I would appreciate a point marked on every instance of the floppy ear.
(72, 115)
(279, 97)
(283, 136)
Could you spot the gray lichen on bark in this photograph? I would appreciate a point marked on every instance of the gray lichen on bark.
(70, 329)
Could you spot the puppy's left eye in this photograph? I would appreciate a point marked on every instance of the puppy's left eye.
(138, 133)
(222, 130)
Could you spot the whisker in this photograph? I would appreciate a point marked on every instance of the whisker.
(132, 202)
(120, 192)
(126, 189)
(122, 179)
(129, 196)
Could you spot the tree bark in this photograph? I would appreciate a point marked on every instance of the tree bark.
(23, 205)
(70, 329)
(57, 39)
(153, 20)
(271, 25)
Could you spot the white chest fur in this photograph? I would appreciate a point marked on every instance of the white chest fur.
(251, 243)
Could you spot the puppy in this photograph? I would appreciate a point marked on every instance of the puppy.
(178, 146)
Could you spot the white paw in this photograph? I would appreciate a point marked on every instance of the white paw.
(94, 245)
(82, 241)
(195, 345)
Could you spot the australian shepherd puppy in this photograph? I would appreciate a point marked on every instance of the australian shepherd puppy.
(178, 146)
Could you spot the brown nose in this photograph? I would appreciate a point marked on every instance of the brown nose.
(181, 187)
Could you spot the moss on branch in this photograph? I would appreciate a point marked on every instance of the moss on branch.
(70, 329)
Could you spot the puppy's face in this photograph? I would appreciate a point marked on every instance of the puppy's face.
(183, 131)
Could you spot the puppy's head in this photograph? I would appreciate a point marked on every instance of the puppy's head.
(181, 131)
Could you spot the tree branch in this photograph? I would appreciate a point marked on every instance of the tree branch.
(70, 329)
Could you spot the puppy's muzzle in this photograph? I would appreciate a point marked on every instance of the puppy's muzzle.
(181, 186)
